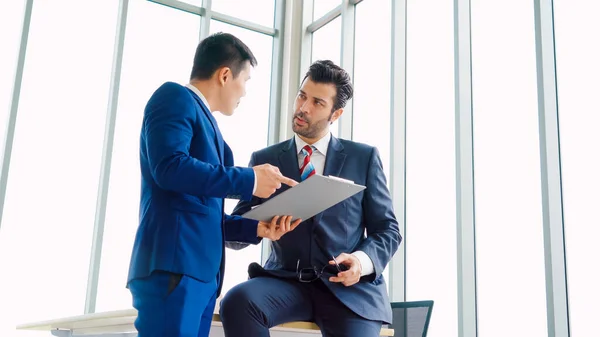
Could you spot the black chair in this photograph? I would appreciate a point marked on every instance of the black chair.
(411, 319)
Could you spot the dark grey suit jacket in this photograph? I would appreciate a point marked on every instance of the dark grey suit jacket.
(365, 222)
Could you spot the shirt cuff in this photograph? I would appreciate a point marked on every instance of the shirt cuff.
(254, 189)
(365, 261)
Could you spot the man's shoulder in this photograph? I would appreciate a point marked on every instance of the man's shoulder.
(170, 92)
(273, 149)
(171, 89)
(353, 147)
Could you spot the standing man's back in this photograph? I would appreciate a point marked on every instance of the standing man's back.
(177, 263)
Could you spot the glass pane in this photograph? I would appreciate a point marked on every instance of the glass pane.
(508, 214)
(151, 57)
(11, 21)
(430, 163)
(321, 7)
(245, 132)
(327, 45)
(53, 180)
(577, 55)
(247, 10)
(327, 42)
(372, 88)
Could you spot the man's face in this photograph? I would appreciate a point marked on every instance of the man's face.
(313, 110)
(233, 88)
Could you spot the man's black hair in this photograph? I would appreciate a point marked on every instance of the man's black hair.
(220, 50)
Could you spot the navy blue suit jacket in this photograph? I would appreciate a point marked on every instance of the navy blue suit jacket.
(187, 170)
(341, 228)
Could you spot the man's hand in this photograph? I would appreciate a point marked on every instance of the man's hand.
(350, 276)
(278, 226)
(269, 179)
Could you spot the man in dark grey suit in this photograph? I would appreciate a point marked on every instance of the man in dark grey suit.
(327, 270)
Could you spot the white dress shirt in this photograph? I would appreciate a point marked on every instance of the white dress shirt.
(203, 99)
(318, 160)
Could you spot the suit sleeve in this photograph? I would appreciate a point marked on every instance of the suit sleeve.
(168, 128)
(383, 235)
(242, 207)
(240, 231)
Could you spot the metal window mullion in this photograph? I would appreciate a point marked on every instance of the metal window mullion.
(397, 267)
(307, 37)
(325, 19)
(296, 40)
(276, 73)
(276, 92)
(552, 207)
(347, 62)
(182, 6)
(291, 64)
(14, 105)
(103, 187)
(205, 19)
(243, 23)
(465, 198)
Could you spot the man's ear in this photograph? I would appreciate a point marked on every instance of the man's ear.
(224, 75)
(335, 115)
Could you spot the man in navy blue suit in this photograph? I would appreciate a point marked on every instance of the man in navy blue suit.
(187, 170)
(329, 269)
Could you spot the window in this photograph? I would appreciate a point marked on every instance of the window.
(53, 179)
(321, 7)
(578, 74)
(371, 114)
(160, 43)
(371, 110)
(245, 132)
(11, 21)
(257, 11)
(508, 214)
(327, 42)
(430, 162)
(327, 45)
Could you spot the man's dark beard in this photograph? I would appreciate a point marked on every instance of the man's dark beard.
(312, 130)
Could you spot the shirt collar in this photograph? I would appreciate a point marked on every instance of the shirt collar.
(199, 94)
(321, 145)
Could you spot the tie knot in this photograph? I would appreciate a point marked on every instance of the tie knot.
(307, 150)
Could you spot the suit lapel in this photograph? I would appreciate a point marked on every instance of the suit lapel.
(288, 161)
(334, 161)
(335, 158)
(213, 122)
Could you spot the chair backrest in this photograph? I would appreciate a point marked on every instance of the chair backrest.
(411, 319)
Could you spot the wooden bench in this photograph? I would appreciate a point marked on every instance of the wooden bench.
(121, 322)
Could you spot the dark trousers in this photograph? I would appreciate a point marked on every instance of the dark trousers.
(173, 305)
(252, 307)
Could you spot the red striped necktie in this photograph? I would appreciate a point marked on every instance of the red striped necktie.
(307, 169)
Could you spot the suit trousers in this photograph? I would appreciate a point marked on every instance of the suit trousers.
(173, 305)
(251, 308)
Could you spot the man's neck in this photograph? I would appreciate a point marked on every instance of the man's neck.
(311, 141)
(208, 91)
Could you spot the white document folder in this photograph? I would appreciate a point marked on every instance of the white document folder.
(303, 201)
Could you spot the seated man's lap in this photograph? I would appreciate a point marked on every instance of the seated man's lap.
(336, 320)
(273, 301)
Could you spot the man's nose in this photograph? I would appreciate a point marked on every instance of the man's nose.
(305, 107)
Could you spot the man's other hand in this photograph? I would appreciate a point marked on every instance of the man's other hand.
(350, 276)
(278, 226)
(269, 179)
